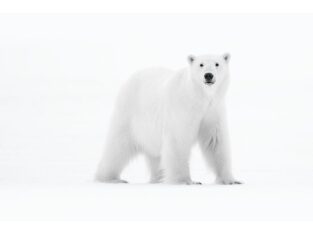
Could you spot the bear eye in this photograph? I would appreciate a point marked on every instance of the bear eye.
(216, 64)
(201, 64)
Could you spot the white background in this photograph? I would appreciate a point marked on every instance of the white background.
(59, 75)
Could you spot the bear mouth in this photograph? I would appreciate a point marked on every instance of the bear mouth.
(209, 82)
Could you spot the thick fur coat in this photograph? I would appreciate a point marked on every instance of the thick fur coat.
(163, 113)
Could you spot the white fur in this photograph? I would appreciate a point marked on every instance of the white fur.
(162, 114)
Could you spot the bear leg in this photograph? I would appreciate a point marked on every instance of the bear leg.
(154, 165)
(117, 155)
(175, 161)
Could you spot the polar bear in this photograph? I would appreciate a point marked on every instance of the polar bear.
(163, 113)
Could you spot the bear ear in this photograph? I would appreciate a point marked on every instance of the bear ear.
(226, 57)
(191, 59)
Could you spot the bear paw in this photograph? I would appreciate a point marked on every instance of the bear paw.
(182, 182)
(193, 183)
(228, 181)
(113, 181)
(117, 181)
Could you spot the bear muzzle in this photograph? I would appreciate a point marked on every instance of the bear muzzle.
(209, 78)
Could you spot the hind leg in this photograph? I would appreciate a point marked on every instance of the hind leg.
(118, 153)
(156, 173)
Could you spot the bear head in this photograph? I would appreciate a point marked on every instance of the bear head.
(210, 72)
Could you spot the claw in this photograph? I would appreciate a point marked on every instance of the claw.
(238, 182)
(194, 183)
(229, 182)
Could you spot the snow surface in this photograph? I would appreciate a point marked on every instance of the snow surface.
(59, 75)
(71, 194)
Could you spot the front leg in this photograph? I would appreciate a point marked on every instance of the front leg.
(214, 143)
(175, 161)
(156, 172)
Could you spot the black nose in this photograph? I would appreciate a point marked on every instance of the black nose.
(208, 77)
